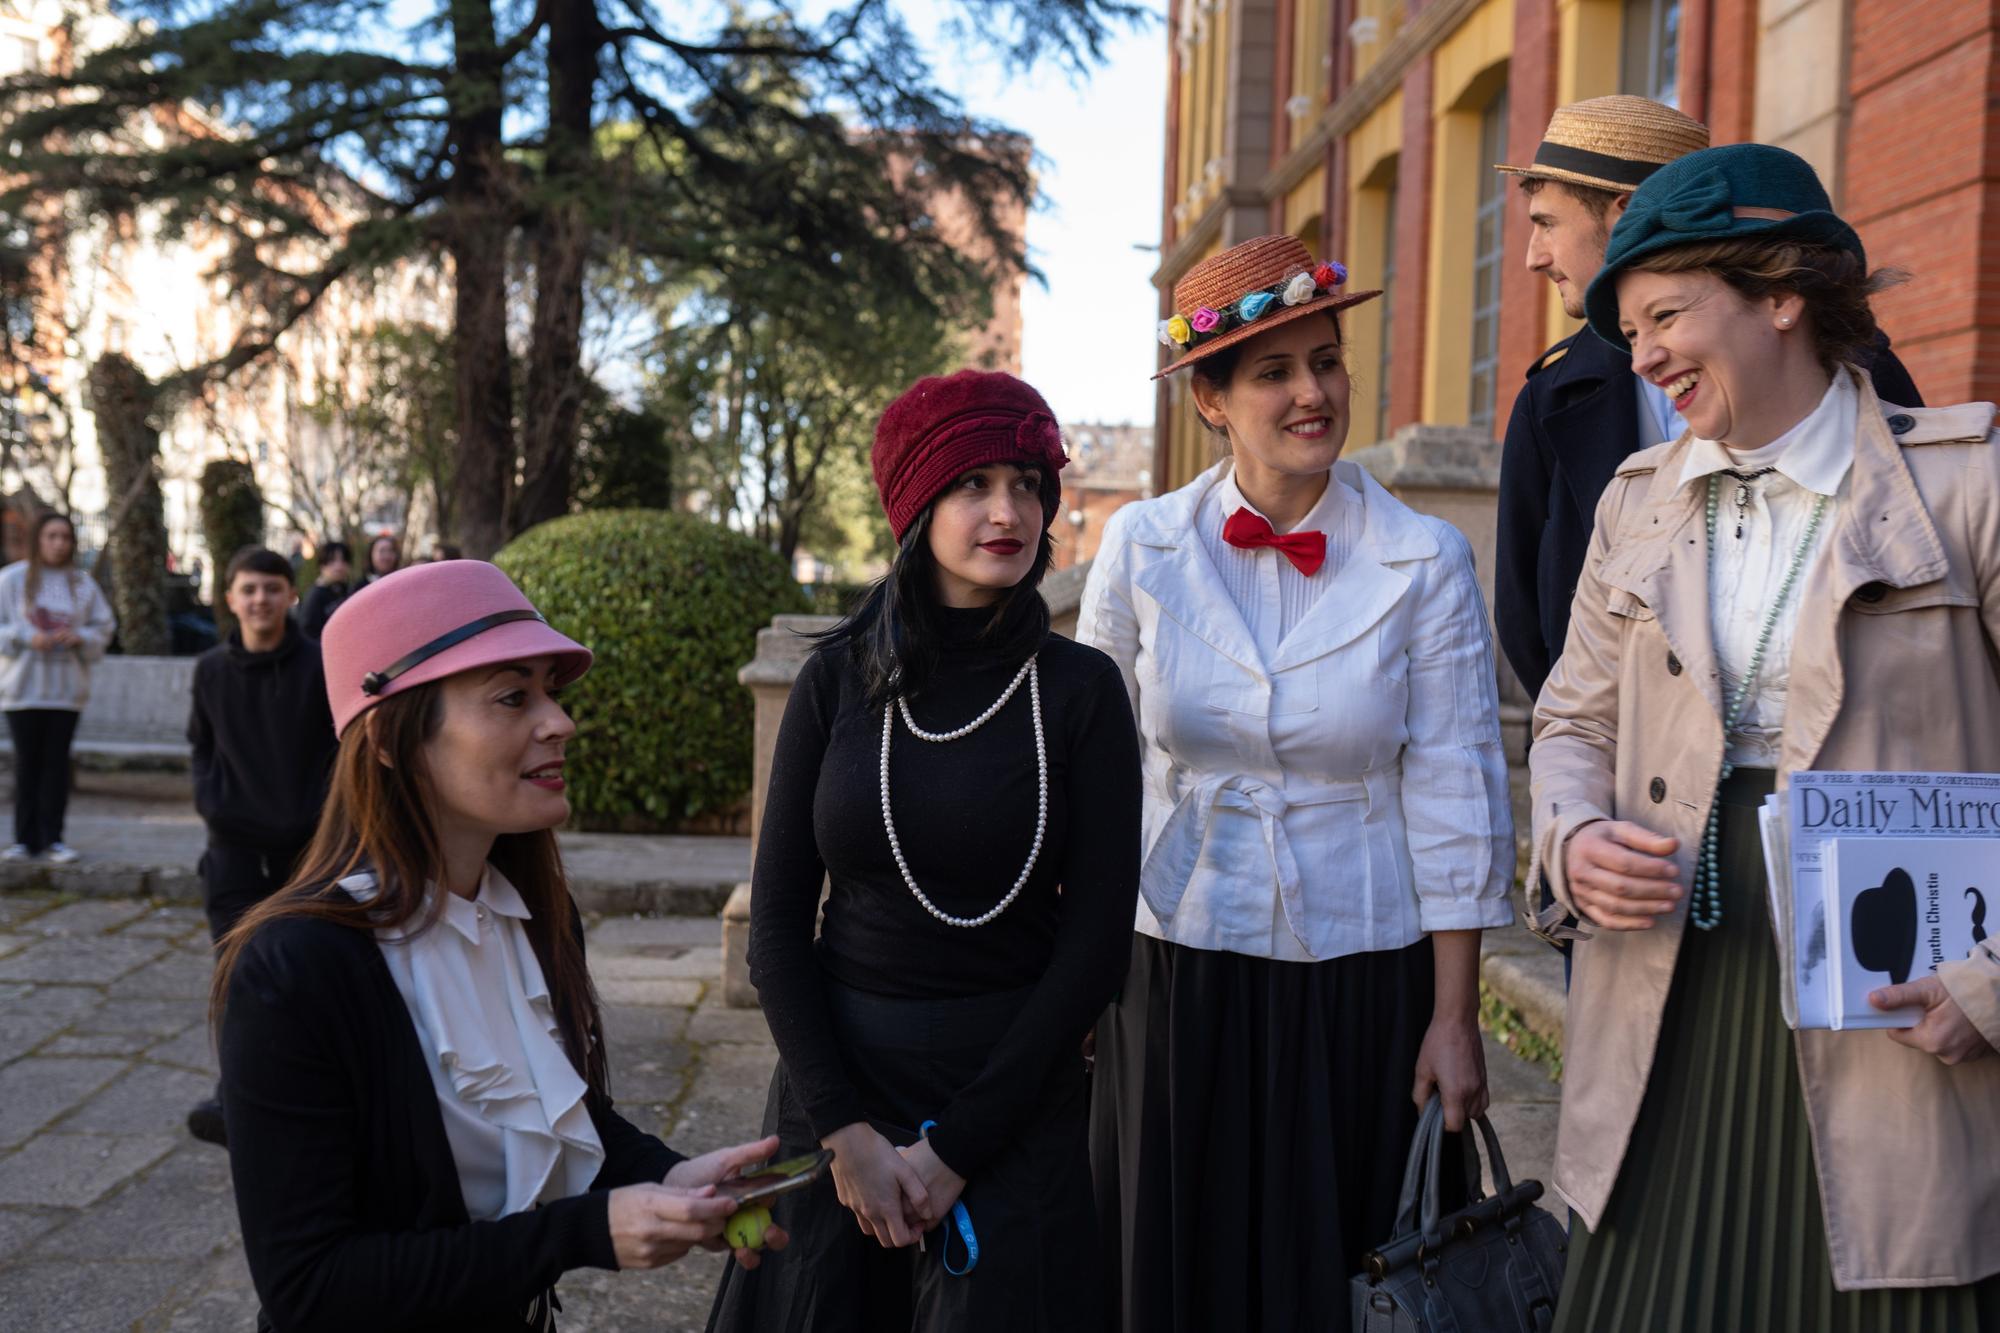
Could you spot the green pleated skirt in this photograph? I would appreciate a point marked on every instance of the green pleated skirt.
(1715, 1223)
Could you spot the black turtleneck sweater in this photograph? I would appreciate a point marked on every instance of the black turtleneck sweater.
(965, 815)
(263, 742)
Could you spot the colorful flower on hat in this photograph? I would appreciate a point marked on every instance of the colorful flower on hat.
(1205, 320)
(1253, 305)
(1330, 275)
(1300, 289)
(1178, 331)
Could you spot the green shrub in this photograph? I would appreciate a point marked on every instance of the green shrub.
(232, 517)
(671, 605)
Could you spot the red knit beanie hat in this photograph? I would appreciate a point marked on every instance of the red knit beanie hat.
(945, 426)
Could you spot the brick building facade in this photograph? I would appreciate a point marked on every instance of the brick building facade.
(1368, 128)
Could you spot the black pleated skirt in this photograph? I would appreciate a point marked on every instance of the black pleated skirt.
(1249, 1124)
(1715, 1222)
(1030, 1206)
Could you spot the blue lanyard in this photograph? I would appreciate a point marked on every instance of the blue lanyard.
(962, 1221)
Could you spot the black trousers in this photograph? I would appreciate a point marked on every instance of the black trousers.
(42, 739)
(235, 878)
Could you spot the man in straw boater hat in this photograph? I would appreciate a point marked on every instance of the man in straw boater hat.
(1582, 411)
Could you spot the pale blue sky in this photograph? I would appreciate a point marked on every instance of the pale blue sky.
(1087, 338)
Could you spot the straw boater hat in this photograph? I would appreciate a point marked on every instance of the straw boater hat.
(1612, 143)
(1246, 290)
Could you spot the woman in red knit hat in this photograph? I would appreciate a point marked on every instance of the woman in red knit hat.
(1327, 829)
(969, 783)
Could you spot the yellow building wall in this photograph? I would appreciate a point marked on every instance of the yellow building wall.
(1372, 151)
(1190, 447)
(1469, 67)
(1387, 17)
(1591, 34)
(1312, 67)
(1304, 205)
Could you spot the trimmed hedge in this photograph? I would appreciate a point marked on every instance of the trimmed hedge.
(671, 605)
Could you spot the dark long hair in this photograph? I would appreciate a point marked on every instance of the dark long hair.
(894, 631)
(33, 584)
(378, 817)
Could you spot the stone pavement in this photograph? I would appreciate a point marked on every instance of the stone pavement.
(140, 838)
(111, 1217)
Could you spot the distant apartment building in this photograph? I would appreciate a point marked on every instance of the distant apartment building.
(1109, 466)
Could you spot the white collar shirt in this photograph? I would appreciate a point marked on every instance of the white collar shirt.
(514, 1107)
(1323, 773)
(1761, 528)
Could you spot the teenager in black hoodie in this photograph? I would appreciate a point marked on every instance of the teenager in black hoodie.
(263, 748)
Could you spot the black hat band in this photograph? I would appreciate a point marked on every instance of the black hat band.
(377, 681)
(1601, 165)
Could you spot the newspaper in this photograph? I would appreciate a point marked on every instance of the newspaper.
(1799, 824)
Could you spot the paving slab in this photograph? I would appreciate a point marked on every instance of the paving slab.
(190, 1185)
(143, 1099)
(157, 1018)
(193, 1049)
(176, 975)
(80, 961)
(36, 1091)
(637, 933)
(90, 917)
(678, 992)
(20, 1227)
(76, 1170)
(170, 923)
(64, 1296)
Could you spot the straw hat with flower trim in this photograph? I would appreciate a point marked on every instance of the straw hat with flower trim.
(1246, 290)
(1612, 143)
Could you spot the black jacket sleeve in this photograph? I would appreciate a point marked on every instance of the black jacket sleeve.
(1522, 522)
(293, 1101)
(784, 908)
(1100, 888)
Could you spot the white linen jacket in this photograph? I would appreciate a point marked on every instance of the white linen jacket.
(1357, 776)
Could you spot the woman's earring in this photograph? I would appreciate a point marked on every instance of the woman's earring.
(1785, 322)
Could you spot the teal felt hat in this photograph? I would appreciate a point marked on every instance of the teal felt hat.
(1738, 190)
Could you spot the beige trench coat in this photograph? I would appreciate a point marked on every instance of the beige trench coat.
(1893, 669)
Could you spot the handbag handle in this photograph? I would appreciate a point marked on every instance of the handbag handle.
(1429, 1142)
(1428, 1123)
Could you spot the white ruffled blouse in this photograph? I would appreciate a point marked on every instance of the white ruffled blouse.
(513, 1106)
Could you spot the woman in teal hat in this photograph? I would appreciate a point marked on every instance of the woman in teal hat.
(1809, 578)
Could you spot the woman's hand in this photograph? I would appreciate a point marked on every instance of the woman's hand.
(41, 641)
(942, 1184)
(653, 1225)
(726, 1164)
(1619, 874)
(1945, 1030)
(1452, 1063)
(874, 1183)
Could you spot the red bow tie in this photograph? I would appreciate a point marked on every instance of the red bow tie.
(1306, 550)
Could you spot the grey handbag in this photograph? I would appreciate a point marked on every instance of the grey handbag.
(1494, 1266)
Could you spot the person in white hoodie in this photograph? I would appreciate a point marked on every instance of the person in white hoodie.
(54, 624)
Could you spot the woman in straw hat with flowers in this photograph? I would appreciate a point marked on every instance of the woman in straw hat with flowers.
(1804, 579)
(1326, 828)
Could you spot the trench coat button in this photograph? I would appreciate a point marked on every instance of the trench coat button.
(1871, 592)
(1902, 423)
(1658, 791)
(1673, 665)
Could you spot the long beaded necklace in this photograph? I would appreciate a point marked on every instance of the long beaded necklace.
(1705, 898)
(889, 711)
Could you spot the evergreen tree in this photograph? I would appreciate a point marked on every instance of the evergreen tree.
(329, 138)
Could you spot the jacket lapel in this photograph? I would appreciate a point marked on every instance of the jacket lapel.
(1185, 583)
(1365, 588)
(1665, 566)
(1883, 534)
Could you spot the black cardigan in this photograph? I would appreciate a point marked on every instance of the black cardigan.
(345, 1184)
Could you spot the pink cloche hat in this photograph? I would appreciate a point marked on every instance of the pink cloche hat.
(428, 622)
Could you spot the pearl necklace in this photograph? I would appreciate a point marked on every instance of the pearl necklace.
(1705, 896)
(1029, 674)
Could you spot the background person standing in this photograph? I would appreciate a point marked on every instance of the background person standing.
(263, 748)
(336, 575)
(54, 623)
